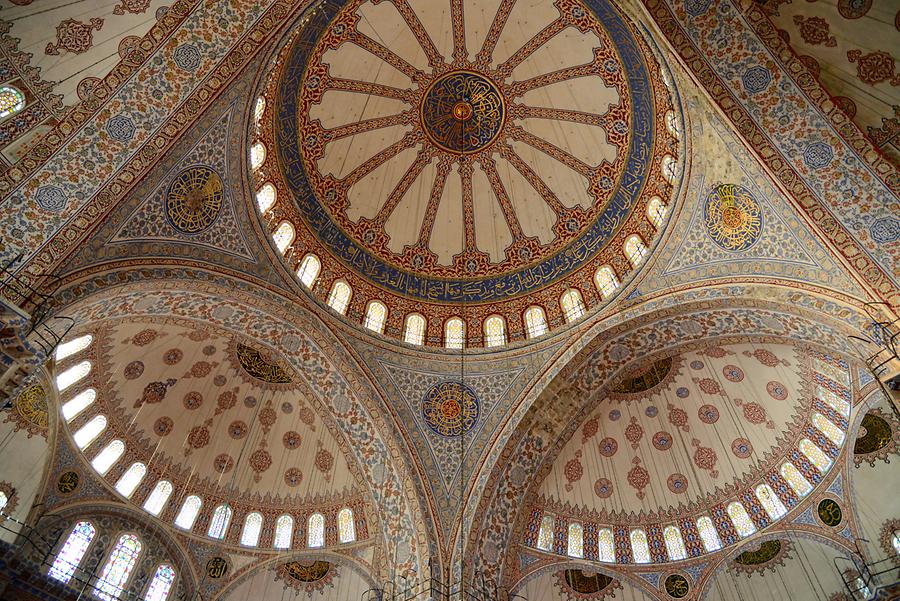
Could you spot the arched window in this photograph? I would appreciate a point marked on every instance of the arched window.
(158, 497)
(635, 250)
(545, 534)
(131, 478)
(834, 401)
(315, 531)
(708, 534)
(770, 502)
(218, 525)
(257, 155)
(795, 479)
(672, 124)
(12, 101)
(742, 522)
(90, 431)
(78, 403)
(895, 541)
(815, 455)
(656, 211)
(861, 590)
(606, 281)
(606, 546)
(188, 513)
(339, 297)
(674, 543)
(454, 333)
(835, 434)
(572, 305)
(161, 584)
(376, 315)
(265, 198)
(535, 322)
(575, 546)
(252, 528)
(118, 568)
(414, 331)
(108, 456)
(838, 374)
(3, 500)
(346, 528)
(72, 551)
(669, 168)
(72, 375)
(67, 349)
(258, 109)
(283, 236)
(494, 331)
(309, 270)
(639, 547)
(284, 532)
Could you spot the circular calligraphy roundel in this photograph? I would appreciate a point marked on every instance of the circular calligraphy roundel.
(450, 408)
(462, 112)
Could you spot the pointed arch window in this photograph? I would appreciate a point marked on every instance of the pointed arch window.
(656, 211)
(795, 479)
(90, 431)
(545, 534)
(339, 298)
(315, 531)
(770, 501)
(708, 534)
(108, 456)
(575, 546)
(742, 522)
(131, 478)
(158, 497)
(78, 403)
(824, 425)
(67, 349)
(284, 532)
(72, 375)
(265, 198)
(572, 305)
(669, 169)
(815, 455)
(12, 101)
(639, 547)
(535, 322)
(494, 331)
(672, 124)
(283, 236)
(454, 333)
(636, 250)
(258, 109)
(838, 374)
(376, 315)
(118, 567)
(257, 155)
(309, 270)
(252, 528)
(161, 584)
(188, 513)
(72, 552)
(606, 281)
(218, 525)
(674, 543)
(606, 546)
(414, 331)
(834, 401)
(346, 528)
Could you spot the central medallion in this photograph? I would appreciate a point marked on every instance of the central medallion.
(450, 408)
(463, 112)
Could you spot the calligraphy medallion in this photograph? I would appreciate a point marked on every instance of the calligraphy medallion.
(450, 408)
(463, 112)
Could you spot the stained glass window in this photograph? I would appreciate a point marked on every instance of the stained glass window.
(742, 522)
(252, 527)
(108, 456)
(606, 546)
(895, 541)
(636, 250)
(836, 402)
(12, 100)
(669, 168)
(188, 513)
(572, 305)
(218, 525)
(78, 403)
(258, 109)
(672, 124)
(72, 375)
(283, 236)
(674, 543)
(90, 431)
(708, 534)
(414, 332)
(67, 349)
(838, 374)
(535, 322)
(72, 551)
(265, 198)
(815, 454)
(161, 584)
(131, 478)
(606, 281)
(346, 528)
(309, 270)
(158, 497)
(639, 547)
(284, 532)
(3, 500)
(376, 315)
(575, 546)
(315, 531)
(340, 296)
(454, 333)
(257, 155)
(118, 568)
(494, 331)
(795, 479)
(545, 534)
(770, 501)
(828, 429)
(656, 211)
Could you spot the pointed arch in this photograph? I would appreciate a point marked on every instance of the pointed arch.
(158, 497)
(340, 295)
(414, 330)
(131, 478)
(315, 531)
(572, 305)
(606, 281)
(309, 269)
(376, 316)
(72, 552)
(284, 532)
(188, 513)
(535, 322)
(119, 567)
(454, 333)
(346, 527)
(72, 347)
(108, 456)
(494, 331)
(252, 529)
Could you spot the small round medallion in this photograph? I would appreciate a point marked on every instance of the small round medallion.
(677, 586)
(194, 199)
(733, 218)
(462, 112)
(216, 567)
(830, 512)
(450, 408)
(67, 483)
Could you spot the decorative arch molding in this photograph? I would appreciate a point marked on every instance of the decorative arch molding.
(548, 567)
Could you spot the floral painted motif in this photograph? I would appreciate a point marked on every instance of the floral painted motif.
(709, 386)
(163, 426)
(766, 357)
(755, 413)
(74, 36)
(223, 463)
(634, 432)
(154, 392)
(573, 470)
(193, 400)
(875, 67)
(132, 6)
(638, 477)
(733, 373)
(293, 477)
(260, 461)
(678, 417)
(705, 458)
(815, 30)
